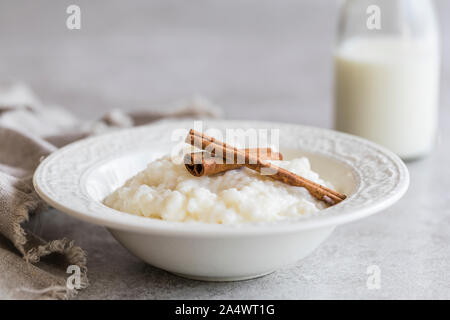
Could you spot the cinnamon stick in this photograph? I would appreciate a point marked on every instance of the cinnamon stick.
(214, 146)
(200, 164)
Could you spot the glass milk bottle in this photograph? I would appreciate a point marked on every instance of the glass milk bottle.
(387, 65)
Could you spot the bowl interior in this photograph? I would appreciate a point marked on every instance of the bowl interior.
(105, 177)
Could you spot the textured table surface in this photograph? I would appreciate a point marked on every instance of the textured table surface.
(261, 60)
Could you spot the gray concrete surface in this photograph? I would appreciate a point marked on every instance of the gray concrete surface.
(266, 60)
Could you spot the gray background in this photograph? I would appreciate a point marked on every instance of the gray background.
(258, 59)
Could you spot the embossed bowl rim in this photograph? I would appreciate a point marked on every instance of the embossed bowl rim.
(58, 179)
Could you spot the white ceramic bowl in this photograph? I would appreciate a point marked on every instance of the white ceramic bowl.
(76, 179)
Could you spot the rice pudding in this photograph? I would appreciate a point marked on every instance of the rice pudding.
(166, 190)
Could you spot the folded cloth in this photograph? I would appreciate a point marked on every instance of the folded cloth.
(30, 131)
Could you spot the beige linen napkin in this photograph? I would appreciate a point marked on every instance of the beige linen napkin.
(30, 131)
